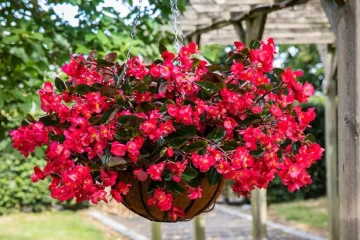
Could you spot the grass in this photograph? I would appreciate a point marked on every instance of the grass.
(48, 225)
(309, 215)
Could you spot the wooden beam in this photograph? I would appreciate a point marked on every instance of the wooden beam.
(155, 231)
(255, 28)
(258, 9)
(348, 40)
(331, 10)
(199, 227)
(329, 58)
(240, 31)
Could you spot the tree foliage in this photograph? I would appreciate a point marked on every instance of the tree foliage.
(34, 41)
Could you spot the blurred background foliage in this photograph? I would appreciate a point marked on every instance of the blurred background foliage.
(35, 41)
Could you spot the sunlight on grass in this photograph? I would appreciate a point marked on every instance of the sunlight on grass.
(312, 213)
(48, 225)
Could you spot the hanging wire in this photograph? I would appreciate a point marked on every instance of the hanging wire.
(175, 16)
(179, 39)
(132, 36)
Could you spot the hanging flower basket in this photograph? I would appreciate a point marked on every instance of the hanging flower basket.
(137, 197)
(162, 138)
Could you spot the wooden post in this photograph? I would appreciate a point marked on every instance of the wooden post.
(155, 231)
(328, 57)
(254, 30)
(255, 27)
(348, 40)
(199, 228)
(259, 214)
(345, 19)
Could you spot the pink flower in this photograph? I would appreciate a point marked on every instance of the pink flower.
(155, 171)
(194, 193)
(118, 149)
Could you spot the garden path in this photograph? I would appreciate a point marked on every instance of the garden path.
(222, 223)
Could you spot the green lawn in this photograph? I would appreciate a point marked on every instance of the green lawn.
(48, 225)
(310, 214)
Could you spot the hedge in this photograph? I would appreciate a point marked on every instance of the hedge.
(17, 191)
(279, 193)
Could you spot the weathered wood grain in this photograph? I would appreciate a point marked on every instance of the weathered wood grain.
(348, 39)
(329, 58)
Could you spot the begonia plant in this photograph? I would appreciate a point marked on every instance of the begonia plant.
(174, 122)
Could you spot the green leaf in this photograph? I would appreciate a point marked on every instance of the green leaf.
(58, 138)
(157, 154)
(106, 115)
(162, 48)
(187, 102)
(163, 108)
(196, 181)
(140, 87)
(158, 61)
(174, 187)
(60, 85)
(267, 87)
(309, 137)
(178, 142)
(220, 85)
(257, 153)
(49, 121)
(151, 188)
(189, 174)
(296, 146)
(207, 86)
(84, 89)
(130, 120)
(104, 63)
(245, 51)
(182, 132)
(229, 145)
(25, 122)
(195, 146)
(217, 134)
(213, 68)
(105, 159)
(212, 176)
(255, 44)
(115, 161)
(120, 101)
(122, 134)
(278, 72)
(30, 118)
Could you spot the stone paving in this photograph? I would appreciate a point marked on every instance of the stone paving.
(219, 225)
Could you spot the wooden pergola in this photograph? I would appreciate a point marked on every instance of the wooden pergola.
(288, 22)
(327, 23)
(322, 22)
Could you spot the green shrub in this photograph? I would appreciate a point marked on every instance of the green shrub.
(279, 193)
(17, 191)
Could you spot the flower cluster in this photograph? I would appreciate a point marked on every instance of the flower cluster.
(172, 123)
